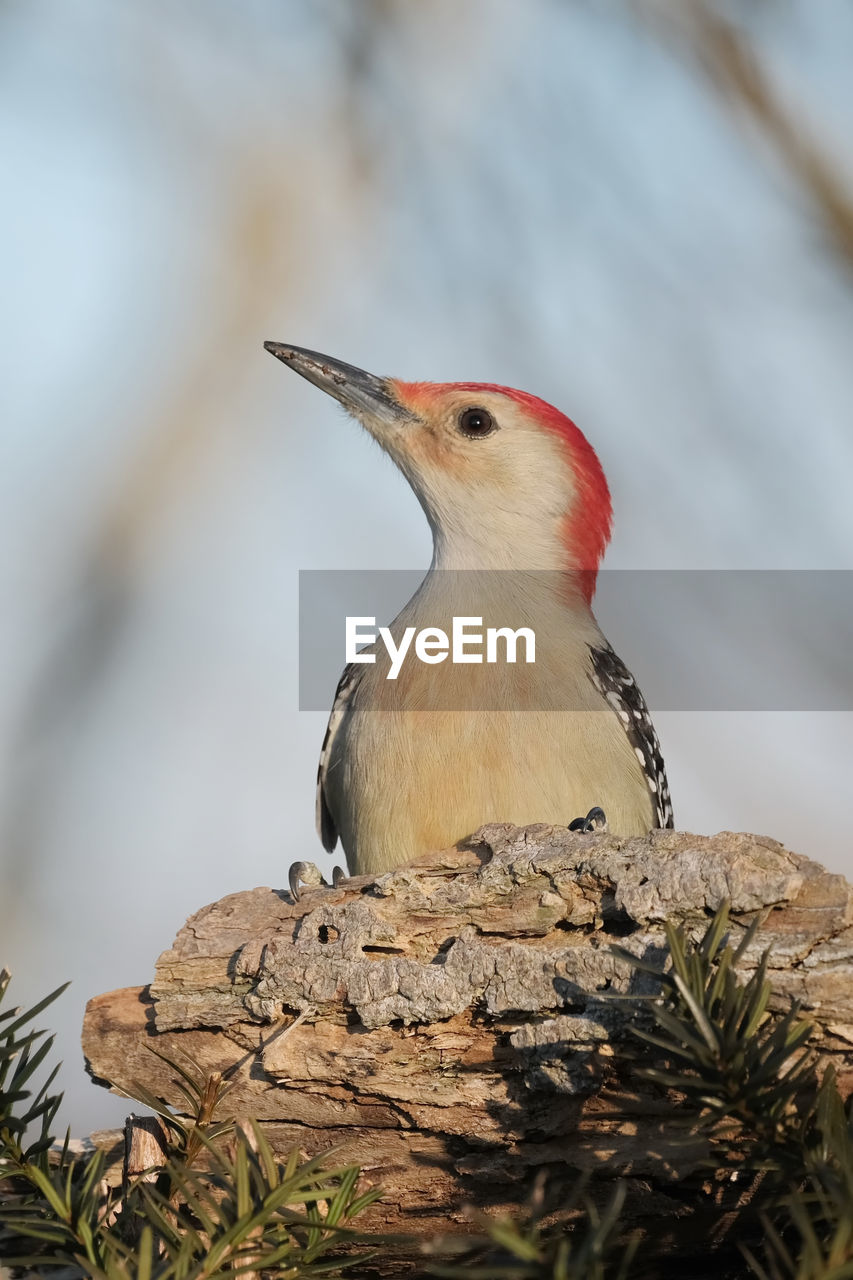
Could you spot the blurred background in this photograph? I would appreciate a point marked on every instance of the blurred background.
(640, 211)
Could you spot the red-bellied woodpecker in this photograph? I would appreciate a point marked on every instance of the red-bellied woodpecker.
(512, 490)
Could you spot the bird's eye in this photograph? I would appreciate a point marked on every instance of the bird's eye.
(476, 423)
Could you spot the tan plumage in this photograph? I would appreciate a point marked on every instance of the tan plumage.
(520, 515)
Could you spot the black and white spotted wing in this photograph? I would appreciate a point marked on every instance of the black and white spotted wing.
(616, 684)
(347, 686)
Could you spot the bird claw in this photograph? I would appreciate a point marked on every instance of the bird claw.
(595, 820)
(303, 873)
(309, 875)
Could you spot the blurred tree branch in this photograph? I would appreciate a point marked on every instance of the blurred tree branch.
(743, 82)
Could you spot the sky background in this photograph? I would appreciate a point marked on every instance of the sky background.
(551, 194)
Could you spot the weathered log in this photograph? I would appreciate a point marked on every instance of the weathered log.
(451, 1025)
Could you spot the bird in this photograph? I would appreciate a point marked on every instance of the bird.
(520, 514)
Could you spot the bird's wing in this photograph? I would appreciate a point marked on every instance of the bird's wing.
(347, 686)
(619, 688)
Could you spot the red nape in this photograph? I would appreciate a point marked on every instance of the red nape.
(587, 529)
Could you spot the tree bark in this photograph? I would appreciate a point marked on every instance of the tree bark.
(451, 1025)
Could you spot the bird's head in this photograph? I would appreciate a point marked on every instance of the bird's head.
(505, 479)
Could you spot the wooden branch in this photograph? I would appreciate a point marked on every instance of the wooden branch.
(451, 1025)
(145, 1147)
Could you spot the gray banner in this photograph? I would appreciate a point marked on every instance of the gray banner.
(696, 640)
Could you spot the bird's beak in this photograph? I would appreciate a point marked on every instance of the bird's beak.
(363, 394)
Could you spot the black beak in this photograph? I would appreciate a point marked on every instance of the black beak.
(359, 392)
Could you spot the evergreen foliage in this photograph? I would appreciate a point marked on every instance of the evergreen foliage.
(222, 1204)
(780, 1141)
(749, 1081)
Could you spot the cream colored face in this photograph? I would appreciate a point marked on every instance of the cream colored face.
(491, 466)
(478, 451)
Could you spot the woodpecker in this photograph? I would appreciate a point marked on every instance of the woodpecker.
(514, 492)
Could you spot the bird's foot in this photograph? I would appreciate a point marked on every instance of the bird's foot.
(595, 820)
(309, 875)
